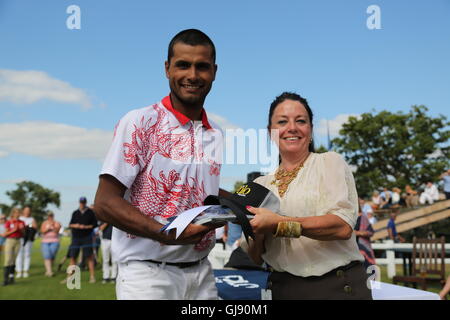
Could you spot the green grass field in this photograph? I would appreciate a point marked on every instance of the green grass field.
(40, 287)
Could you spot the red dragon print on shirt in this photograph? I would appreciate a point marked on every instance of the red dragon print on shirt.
(162, 194)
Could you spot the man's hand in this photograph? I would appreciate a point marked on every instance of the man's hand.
(193, 234)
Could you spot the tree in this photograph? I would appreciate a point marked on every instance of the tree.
(395, 149)
(321, 149)
(33, 195)
(237, 185)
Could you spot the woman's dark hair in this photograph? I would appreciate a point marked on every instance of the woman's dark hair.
(192, 37)
(295, 97)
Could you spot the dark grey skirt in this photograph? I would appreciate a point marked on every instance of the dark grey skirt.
(343, 283)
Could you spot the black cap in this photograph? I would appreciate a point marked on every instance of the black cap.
(249, 194)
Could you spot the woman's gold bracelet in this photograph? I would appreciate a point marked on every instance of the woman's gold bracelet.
(289, 229)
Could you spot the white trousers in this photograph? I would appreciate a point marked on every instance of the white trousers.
(109, 264)
(141, 280)
(424, 197)
(24, 257)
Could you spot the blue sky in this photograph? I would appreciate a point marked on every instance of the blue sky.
(62, 91)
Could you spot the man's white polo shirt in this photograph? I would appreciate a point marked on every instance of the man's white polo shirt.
(169, 164)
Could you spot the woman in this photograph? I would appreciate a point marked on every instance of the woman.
(319, 202)
(23, 259)
(376, 200)
(14, 232)
(2, 230)
(50, 242)
(363, 232)
(412, 197)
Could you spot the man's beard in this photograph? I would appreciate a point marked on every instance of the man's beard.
(191, 101)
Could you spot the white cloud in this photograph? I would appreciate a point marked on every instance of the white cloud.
(11, 181)
(334, 124)
(51, 140)
(26, 87)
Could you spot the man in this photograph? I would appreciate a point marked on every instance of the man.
(446, 178)
(386, 199)
(156, 168)
(109, 264)
(26, 243)
(392, 229)
(430, 194)
(82, 225)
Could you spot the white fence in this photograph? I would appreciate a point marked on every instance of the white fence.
(390, 261)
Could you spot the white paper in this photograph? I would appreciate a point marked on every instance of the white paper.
(387, 291)
(184, 218)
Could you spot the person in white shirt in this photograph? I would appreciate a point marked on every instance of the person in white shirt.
(155, 169)
(430, 194)
(310, 246)
(23, 259)
(367, 210)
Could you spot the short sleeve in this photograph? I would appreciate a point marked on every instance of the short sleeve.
(72, 220)
(123, 160)
(94, 220)
(339, 196)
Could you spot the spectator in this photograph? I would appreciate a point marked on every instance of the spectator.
(24, 257)
(446, 178)
(14, 232)
(109, 263)
(96, 239)
(392, 229)
(2, 231)
(396, 198)
(50, 242)
(82, 224)
(376, 200)
(386, 199)
(367, 210)
(430, 194)
(364, 231)
(412, 197)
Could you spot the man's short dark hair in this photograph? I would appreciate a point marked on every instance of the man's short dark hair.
(192, 37)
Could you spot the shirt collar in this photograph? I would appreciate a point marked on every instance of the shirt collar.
(167, 102)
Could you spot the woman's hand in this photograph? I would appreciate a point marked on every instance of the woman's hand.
(265, 221)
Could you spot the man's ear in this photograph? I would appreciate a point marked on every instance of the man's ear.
(166, 67)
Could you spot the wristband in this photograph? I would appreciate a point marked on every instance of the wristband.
(288, 229)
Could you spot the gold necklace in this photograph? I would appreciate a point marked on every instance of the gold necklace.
(285, 177)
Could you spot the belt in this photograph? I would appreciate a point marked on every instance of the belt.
(180, 265)
(343, 268)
